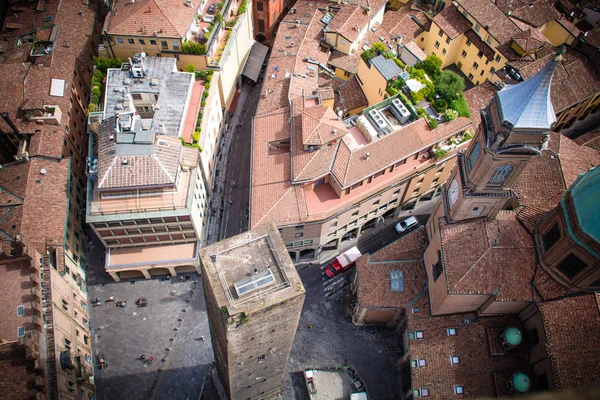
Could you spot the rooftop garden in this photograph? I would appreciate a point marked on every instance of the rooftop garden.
(207, 76)
(443, 90)
(101, 65)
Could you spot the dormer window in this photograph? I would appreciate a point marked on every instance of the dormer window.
(454, 360)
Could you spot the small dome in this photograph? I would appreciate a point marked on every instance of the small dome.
(513, 336)
(585, 192)
(521, 382)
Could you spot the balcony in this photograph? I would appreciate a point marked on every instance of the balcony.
(448, 146)
(47, 114)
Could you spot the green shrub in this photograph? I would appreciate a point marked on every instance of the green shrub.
(439, 153)
(220, 5)
(378, 48)
(207, 85)
(203, 103)
(450, 114)
(392, 91)
(190, 68)
(405, 99)
(460, 105)
(188, 47)
(433, 123)
(243, 7)
(399, 63)
(431, 65)
(422, 113)
(196, 136)
(440, 105)
(231, 23)
(449, 85)
(204, 95)
(219, 17)
(201, 74)
(104, 63)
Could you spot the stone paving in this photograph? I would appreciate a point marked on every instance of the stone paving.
(167, 328)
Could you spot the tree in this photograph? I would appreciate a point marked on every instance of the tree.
(190, 68)
(377, 49)
(450, 114)
(104, 63)
(432, 65)
(449, 86)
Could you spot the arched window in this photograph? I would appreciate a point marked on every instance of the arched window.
(473, 156)
(500, 175)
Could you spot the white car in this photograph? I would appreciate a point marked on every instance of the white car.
(405, 225)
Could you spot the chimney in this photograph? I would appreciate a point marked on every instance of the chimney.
(10, 123)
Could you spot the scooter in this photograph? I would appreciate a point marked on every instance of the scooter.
(97, 302)
(121, 304)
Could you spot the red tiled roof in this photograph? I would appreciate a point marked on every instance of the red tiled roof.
(484, 367)
(346, 19)
(530, 40)
(487, 51)
(484, 256)
(169, 19)
(400, 23)
(347, 62)
(351, 95)
(491, 18)
(533, 12)
(546, 288)
(320, 125)
(452, 22)
(589, 139)
(572, 327)
(478, 98)
(405, 254)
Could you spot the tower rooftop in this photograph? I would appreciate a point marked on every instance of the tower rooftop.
(527, 105)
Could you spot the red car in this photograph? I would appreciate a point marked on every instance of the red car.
(342, 262)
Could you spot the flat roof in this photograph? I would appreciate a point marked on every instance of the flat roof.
(153, 255)
(250, 266)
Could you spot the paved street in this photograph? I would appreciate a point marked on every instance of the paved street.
(166, 329)
(230, 199)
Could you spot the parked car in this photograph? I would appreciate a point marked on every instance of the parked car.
(212, 8)
(406, 224)
(342, 262)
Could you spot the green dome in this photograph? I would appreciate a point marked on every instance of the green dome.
(521, 382)
(585, 192)
(513, 336)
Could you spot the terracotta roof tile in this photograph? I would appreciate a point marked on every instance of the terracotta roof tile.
(145, 17)
(320, 125)
(546, 288)
(452, 22)
(576, 159)
(487, 51)
(530, 40)
(345, 20)
(401, 22)
(491, 18)
(478, 98)
(347, 62)
(533, 12)
(351, 95)
(572, 327)
(483, 256)
(484, 367)
(267, 169)
(589, 139)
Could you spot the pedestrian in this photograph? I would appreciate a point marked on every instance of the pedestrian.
(230, 201)
(143, 357)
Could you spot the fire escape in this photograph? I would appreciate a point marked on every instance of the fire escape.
(49, 326)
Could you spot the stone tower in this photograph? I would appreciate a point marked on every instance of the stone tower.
(254, 298)
(514, 127)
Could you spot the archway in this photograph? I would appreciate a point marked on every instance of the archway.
(154, 272)
(262, 39)
(185, 269)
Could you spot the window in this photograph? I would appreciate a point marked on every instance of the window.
(480, 54)
(299, 235)
(375, 203)
(142, 41)
(492, 70)
(500, 175)
(175, 45)
(299, 227)
(448, 40)
(333, 224)
(119, 40)
(435, 181)
(497, 59)
(438, 267)
(468, 42)
(396, 193)
(21, 331)
(463, 54)
(355, 213)
(416, 335)
(152, 42)
(533, 336)
(130, 41)
(475, 66)
(542, 382)
(164, 45)
(298, 244)
(289, 244)
(471, 76)
(259, 6)
(550, 238)
(571, 265)
(451, 331)
(482, 72)
(477, 28)
(20, 311)
(458, 389)
(473, 156)
(261, 25)
(437, 44)
(308, 242)
(444, 52)
(454, 360)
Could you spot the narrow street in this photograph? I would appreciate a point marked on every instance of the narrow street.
(230, 199)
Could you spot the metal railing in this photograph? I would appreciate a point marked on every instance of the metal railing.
(51, 366)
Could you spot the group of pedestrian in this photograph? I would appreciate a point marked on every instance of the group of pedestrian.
(146, 360)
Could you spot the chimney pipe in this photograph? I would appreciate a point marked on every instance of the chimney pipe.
(10, 123)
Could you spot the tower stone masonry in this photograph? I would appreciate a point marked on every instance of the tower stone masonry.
(254, 298)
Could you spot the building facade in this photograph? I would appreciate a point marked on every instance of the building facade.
(145, 188)
(47, 65)
(266, 14)
(254, 298)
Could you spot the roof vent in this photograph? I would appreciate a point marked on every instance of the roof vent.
(255, 282)
(367, 155)
(125, 162)
(43, 171)
(511, 337)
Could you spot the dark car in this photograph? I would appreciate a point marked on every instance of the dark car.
(212, 8)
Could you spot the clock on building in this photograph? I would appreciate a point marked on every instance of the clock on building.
(453, 192)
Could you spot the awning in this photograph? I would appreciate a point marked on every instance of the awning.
(255, 61)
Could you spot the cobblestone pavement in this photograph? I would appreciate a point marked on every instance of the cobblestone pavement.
(332, 340)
